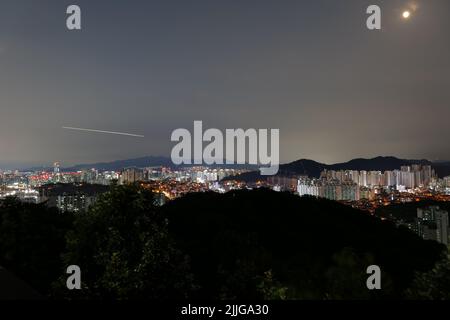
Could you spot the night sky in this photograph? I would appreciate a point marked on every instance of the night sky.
(311, 68)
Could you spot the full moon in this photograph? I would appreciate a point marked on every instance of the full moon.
(406, 14)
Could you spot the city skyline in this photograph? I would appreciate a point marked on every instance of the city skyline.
(150, 161)
(335, 90)
(366, 189)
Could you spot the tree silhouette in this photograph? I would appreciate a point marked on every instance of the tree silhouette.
(124, 251)
(314, 248)
(32, 237)
(432, 285)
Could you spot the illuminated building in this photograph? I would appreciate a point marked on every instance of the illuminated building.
(432, 224)
(131, 175)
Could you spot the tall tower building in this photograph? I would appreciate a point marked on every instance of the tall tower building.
(433, 224)
(56, 167)
(442, 226)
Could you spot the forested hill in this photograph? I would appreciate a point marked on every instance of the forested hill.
(313, 169)
(315, 248)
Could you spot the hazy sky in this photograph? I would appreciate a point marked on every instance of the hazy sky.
(311, 68)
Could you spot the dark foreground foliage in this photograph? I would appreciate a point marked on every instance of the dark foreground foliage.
(245, 244)
(314, 249)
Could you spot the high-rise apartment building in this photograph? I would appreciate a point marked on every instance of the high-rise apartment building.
(433, 224)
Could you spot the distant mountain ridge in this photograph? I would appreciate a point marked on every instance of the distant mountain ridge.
(313, 169)
(142, 162)
(299, 167)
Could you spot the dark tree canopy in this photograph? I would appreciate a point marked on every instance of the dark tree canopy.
(124, 251)
(255, 244)
(316, 249)
(32, 237)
